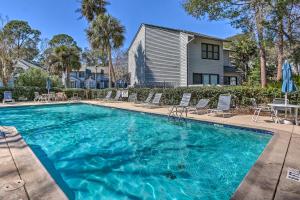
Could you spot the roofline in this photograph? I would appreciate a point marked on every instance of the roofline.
(175, 30)
(187, 32)
(136, 34)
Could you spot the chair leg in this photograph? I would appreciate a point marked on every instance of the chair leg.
(256, 114)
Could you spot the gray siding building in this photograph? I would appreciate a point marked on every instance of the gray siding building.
(160, 55)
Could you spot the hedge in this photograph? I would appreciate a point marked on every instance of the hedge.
(241, 94)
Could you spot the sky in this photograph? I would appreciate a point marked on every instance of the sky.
(59, 16)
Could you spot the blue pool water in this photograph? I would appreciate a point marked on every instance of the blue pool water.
(101, 153)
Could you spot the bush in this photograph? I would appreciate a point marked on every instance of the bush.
(35, 77)
(241, 94)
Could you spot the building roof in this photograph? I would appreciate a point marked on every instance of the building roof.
(187, 32)
(93, 69)
(27, 65)
(177, 30)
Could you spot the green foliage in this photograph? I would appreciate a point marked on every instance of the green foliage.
(106, 33)
(254, 76)
(243, 52)
(90, 9)
(241, 94)
(94, 57)
(62, 40)
(22, 38)
(36, 77)
(172, 96)
(62, 56)
(17, 41)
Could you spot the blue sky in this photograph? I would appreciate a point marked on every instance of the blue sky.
(58, 16)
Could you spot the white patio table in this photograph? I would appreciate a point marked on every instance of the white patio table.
(295, 107)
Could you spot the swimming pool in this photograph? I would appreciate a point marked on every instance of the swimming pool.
(101, 153)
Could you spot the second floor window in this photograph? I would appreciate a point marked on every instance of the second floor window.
(81, 74)
(210, 51)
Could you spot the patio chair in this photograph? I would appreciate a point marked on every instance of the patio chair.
(258, 109)
(52, 96)
(60, 96)
(155, 102)
(223, 106)
(118, 96)
(37, 96)
(147, 101)
(132, 97)
(178, 110)
(275, 111)
(202, 105)
(107, 97)
(125, 94)
(7, 97)
(75, 97)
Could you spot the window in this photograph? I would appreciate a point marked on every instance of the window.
(214, 79)
(230, 80)
(210, 51)
(205, 79)
(197, 79)
(81, 74)
(73, 84)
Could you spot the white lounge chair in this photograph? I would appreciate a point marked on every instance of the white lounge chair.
(147, 101)
(223, 107)
(178, 110)
(132, 97)
(201, 106)
(155, 102)
(107, 97)
(7, 97)
(258, 109)
(118, 96)
(37, 96)
(75, 97)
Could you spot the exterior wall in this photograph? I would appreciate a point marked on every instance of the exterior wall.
(184, 39)
(226, 58)
(136, 58)
(87, 82)
(205, 66)
(237, 75)
(163, 54)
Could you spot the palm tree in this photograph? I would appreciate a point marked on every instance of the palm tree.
(106, 32)
(65, 59)
(90, 9)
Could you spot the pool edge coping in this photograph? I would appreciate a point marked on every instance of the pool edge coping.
(38, 183)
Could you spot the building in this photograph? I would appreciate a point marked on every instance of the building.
(89, 77)
(160, 55)
(20, 67)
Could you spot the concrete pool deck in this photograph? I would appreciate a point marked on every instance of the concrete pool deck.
(266, 179)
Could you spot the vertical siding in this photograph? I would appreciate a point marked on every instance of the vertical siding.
(226, 58)
(162, 56)
(183, 59)
(198, 65)
(136, 58)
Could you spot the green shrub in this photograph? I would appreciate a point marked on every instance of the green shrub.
(241, 94)
(35, 77)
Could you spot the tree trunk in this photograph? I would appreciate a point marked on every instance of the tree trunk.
(261, 46)
(280, 47)
(68, 78)
(111, 68)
